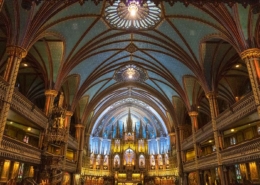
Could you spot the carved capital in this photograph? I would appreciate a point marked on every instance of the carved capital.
(193, 114)
(250, 53)
(79, 126)
(69, 113)
(51, 92)
(172, 134)
(211, 94)
(16, 51)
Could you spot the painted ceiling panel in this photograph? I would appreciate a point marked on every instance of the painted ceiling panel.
(243, 17)
(111, 46)
(126, 38)
(168, 91)
(189, 86)
(157, 34)
(75, 26)
(176, 68)
(86, 67)
(83, 102)
(153, 85)
(110, 83)
(88, 8)
(108, 34)
(103, 77)
(224, 54)
(192, 11)
(149, 46)
(166, 29)
(40, 53)
(193, 32)
(179, 109)
(93, 90)
(71, 87)
(97, 29)
(147, 59)
(56, 52)
(116, 59)
(24, 19)
(229, 9)
(237, 84)
(158, 77)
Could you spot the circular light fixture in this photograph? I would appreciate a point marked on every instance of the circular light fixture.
(130, 72)
(237, 66)
(133, 8)
(132, 14)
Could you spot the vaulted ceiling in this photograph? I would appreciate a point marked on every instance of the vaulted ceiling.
(190, 51)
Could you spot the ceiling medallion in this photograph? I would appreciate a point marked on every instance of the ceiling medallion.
(130, 73)
(132, 15)
(131, 48)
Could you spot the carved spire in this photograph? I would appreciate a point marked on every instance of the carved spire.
(117, 130)
(146, 130)
(141, 130)
(129, 123)
(61, 99)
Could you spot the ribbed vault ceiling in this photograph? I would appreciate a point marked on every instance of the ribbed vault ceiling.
(191, 51)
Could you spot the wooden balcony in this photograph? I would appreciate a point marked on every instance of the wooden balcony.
(19, 151)
(189, 166)
(246, 151)
(24, 107)
(70, 166)
(237, 111)
(207, 161)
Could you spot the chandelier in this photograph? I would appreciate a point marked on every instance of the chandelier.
(133, 14)
(130, 72)
(133, 8)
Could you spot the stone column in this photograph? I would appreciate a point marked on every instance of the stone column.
(214, 111)
(80, 130)
(186, 179)
(49, 99)
(66, 125)
(252, 60)
(179, 158)
(1, 4)
(194, 121)
(50, 96)
(15, 55)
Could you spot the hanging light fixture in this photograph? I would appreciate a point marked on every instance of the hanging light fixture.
(130, 72)
(133, 8)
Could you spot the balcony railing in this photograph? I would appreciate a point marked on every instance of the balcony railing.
(246, 151)
(25, 107)
(98, 172)
(70, 165)
(237, 111)
(17, 150)
(189, 166)
(207, 161)
(162, 173)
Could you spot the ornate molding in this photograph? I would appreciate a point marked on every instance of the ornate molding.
(250, 53)
(16, 51)
(193, 114)
(51, 92)
(130, 72)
